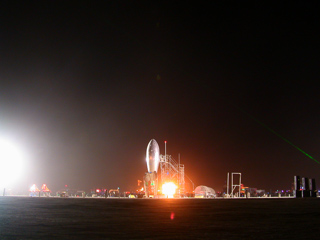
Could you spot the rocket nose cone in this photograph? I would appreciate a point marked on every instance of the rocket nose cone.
(153, 142)
(153, 145)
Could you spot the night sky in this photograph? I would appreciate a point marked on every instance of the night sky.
(85, 86)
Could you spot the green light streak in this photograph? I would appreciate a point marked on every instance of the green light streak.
(277, 134)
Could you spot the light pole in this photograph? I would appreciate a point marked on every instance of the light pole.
(165, 150)
(179, 175)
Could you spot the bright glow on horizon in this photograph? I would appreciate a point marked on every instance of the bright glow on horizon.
(11, 163)
(169, 189)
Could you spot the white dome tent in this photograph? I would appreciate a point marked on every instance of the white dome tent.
(204, 192)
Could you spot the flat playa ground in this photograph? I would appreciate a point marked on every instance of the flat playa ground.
(73, 218)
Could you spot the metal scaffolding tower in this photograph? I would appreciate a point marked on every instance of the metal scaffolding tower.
(171, 171)
(234, 186)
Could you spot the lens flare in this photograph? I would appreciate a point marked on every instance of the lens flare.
(169, 189)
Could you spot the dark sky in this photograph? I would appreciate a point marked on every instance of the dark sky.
(85, 86)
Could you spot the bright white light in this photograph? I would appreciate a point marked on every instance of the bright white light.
(169, 189)
(11, 163)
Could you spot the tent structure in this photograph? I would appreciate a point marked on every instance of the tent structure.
(34, 189)
(45, 188)
(204, 192)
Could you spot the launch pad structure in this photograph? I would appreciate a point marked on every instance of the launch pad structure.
(172, 171)
(162, 169)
